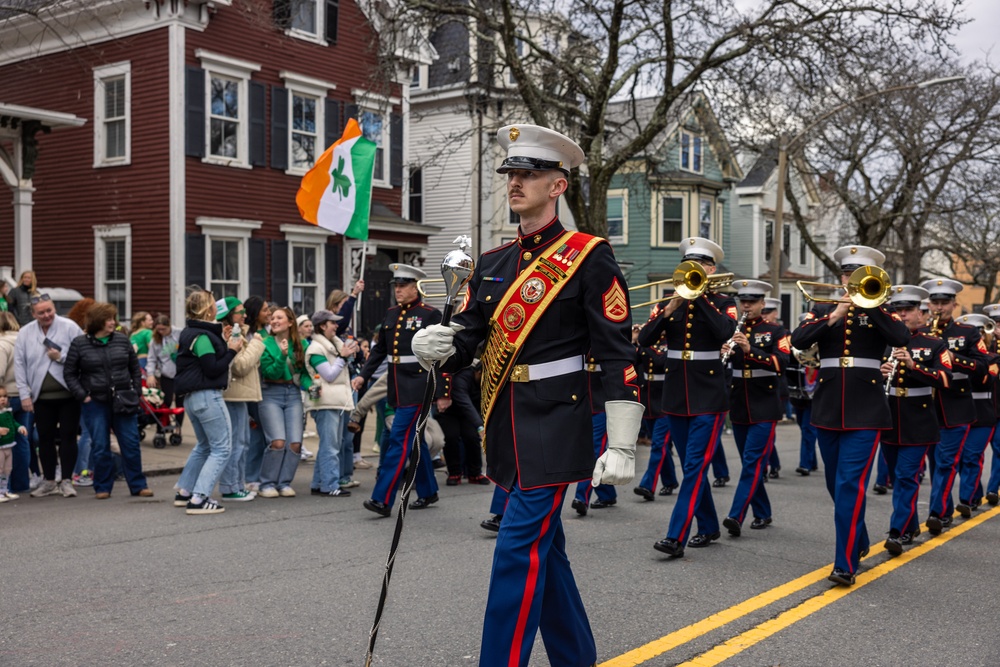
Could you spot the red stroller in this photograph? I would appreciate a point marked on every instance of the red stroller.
(152, 413)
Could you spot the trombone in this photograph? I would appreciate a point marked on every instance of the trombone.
(429, 295)
(690, 281)
(867, 287)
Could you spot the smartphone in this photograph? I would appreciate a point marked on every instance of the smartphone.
(52, 346)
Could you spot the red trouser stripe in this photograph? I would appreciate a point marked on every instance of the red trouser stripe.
(709, 452)
(853, 535)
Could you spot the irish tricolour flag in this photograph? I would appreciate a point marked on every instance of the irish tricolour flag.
(336, 193)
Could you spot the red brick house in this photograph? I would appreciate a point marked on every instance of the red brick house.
(200, 118)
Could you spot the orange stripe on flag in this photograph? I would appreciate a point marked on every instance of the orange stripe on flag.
(317, 179)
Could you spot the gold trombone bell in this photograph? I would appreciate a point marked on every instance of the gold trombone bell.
(690, 281)
(867, 287)
(428, 295)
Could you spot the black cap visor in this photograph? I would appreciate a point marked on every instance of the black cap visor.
(511, 163)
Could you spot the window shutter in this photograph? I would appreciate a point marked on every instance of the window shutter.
(258, 124)
(333, 277)
(258, 264)
(350, 111)
(279, 127)
(279, 272)
(332, 9)
(282, 13)
(396, 151)
(194, 260)
(333, 129)
(194, 112)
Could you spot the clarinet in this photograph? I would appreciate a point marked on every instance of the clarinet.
(892, 373)
(739, 326)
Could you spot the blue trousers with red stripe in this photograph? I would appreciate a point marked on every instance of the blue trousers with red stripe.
(848, 458)
(883, 471)
(807, 443)
(720, 467)
(993, 485)
(498, 505)
(904, 462)
(695, 438)
(532, 587)
(661, 463)
(397, 453)
(755, 442)
(947, 455)
(604, 491)
(972, 463)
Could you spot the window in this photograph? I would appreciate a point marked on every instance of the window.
(417, 195)
(415, 76)
(303, 127)
(304, 17)
(374, 127)
(617, 216)
(786, 240)
(691, 152)
(705, 207)
(768, 239)
(113, 266)
(310, 20)
(304, 278)
(802, 249)
(112, 114)
(224, 264)
(519, 50)
(672, 230)
(227, 256)
(227, 103)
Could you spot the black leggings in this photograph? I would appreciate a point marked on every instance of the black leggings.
(60, 417)
(459, 430)
(167, 387)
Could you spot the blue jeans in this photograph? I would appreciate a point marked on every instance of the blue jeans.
(346, 451)
(329, 458)
(232, 478)
(83, 447)
(100, 420)
(22, 450)
(255, 446)
(210, 420)
(281, 412)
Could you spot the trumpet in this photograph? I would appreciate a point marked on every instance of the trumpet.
(690, 281)
(867, 287)
(739, 327)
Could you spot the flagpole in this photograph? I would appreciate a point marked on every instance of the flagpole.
(361, 276)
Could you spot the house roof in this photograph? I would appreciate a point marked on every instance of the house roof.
(382, 219)
(762, 168)
(52, 119)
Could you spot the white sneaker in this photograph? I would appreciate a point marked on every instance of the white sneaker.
(3, 498)
(286, 492)
(46, 488)
(309, 434)
(253, 486)
(66, 487)
(269, 492)
(306, 454)
(35, 481)
(11, 496)
(85, 478)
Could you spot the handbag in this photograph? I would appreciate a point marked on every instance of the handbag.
(123, 401)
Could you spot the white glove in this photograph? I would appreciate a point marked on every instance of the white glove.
(435, 343)
(617, 463)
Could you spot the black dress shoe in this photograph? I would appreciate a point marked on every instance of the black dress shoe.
(841, 577)
(879, 489)
(377, 507)
(644, 492)
(720, 482)
(802, 471)
(492, 524)
(774, 473)
(701, 540)
(964, 509)
(908, 537)
(580, 507)
(602, 504)
(424, 503)
(934, 525)
(668, 490)
(894, 545)
(947, 521)
(732, 525)
(760, 524)
(670, 547)
(993, 499)
(863, 553)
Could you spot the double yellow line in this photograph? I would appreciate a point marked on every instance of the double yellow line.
(761, 632)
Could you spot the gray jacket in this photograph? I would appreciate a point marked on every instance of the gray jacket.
(31, 362)
(160, 362)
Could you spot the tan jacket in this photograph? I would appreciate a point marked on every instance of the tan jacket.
(244, 380)
(336, 395)
(7, 339)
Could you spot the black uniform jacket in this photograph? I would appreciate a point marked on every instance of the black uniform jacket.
(463, 390)
(541, 432)
(914, 419)
(984, 384)
(696, 386)
(650, 364)
(850, 396)
(954, 405)
(754, 396)
(407, 378)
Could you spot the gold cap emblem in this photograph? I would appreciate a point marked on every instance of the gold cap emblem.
(691, 241)
(854, 250)
(514, 133)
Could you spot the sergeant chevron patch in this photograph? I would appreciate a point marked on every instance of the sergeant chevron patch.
(615, 302)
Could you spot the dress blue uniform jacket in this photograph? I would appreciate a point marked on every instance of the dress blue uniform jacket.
(954, 405)
(753, 400)
(914, 419)
(651, 363)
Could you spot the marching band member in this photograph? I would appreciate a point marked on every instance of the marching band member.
(694, 395)
(759, 355)
(802, 382)
(993, 484)
(849, 406)
(772, 307)
(912, 372)
(983, 381)
(652, 360)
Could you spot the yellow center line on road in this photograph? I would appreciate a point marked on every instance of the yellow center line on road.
(758, 634)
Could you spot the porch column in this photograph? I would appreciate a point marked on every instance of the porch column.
(23, 203)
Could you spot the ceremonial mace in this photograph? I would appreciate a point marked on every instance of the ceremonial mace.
(456, 269)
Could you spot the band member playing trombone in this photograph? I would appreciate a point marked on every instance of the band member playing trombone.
(993, 483)
(849, 406)
(694, 393)
(912, 373)
(759, 352)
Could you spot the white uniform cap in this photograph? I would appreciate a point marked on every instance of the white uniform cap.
(751, 290)
(975, 320)
(925, 305)
(942, 288)
(537, 148)
(992, 310)
(858, 255)
(405, 272)
(772, 304)
(697, 248)
(909, 295)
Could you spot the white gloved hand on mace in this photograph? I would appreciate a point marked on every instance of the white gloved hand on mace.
(617, 463)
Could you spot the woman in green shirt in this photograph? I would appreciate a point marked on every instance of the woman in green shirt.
(141, 333)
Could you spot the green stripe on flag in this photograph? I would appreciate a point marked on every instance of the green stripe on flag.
(363, 163)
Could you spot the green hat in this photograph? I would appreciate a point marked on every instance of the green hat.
(225, 306)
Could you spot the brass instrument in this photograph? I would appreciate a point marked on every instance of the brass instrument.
(424, 293)
(690, 281)
(739, 327)
(892, 373)
(808, 358)
(935, 329)
(867, 287)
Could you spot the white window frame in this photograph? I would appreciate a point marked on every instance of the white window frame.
(228, 229)
(319, 37)
(306, 86)
(313, 237)
(691, 137)
(713, 223)
(623, 193)
(520, 47)
(657, 216)
(102, 74)
(382, 105)
(241, 71)
(102, 234)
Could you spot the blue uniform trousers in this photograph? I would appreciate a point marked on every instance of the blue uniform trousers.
(720, 468)
(883, 471)
(772, 459)
(905, 461)
(994, 483)
(396, 454)
(848, 458)
(498, 505)
(661, 463)
(532, 587)
(604, 491)
(755, 442)
(695, 438)
(947, 455)
(972, 464)
(807, 443)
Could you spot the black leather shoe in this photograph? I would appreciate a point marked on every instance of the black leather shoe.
(993, 499)
(580, 507)
(732, 525)
(907, 538)
(644, 492)
(894, 545)
(863, 553)
(668, 490)
(492, 524)
(947, 521)
(879, 489)
(720, 482)
(760, 524)
(934, 525)
(602, 504)
(700, 541)
(774, 473)
(964, 509)
(424, 503)
(802, 471)
(670, 547)
(841, 577)
(377, 507)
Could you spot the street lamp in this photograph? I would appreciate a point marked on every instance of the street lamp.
(785, 145)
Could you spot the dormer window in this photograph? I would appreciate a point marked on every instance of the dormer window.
(691, 152)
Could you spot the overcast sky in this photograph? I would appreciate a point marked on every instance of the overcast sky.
(980, 36)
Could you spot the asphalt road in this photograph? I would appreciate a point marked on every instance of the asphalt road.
(295, 582)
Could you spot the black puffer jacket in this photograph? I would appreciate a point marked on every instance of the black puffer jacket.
(92, 367)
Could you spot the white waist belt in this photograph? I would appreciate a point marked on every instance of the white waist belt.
(657, 377)
(850, 362)
(981, 395)
(747, 373)
(904, 392)
(549, 369)
(690, 355)
(592, 368)
(403, 359)
(959, 376)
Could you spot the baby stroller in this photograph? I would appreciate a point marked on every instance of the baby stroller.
(152, 413)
